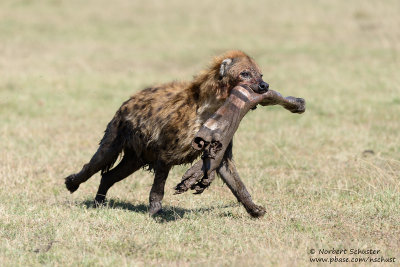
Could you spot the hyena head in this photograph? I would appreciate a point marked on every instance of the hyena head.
(237, 67)
(213, 85)
(225, 72)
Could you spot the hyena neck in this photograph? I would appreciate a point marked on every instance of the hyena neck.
(208, 96)
(208, 84)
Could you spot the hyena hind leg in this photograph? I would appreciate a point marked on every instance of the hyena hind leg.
(105, 156)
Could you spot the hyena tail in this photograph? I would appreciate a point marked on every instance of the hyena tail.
(109, 149)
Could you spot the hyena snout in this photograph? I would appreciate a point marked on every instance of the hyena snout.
(260, 87)
(263, 86)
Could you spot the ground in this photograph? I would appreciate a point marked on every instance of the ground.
(329, 178)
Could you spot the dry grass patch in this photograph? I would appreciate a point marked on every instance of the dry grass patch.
(66, 66)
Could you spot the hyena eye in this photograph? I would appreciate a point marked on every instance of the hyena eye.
(245, 74)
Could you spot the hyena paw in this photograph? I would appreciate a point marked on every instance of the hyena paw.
(154, 208)
(257, 211)
(70, 183)
(99, 201)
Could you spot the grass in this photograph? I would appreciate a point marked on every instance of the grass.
(66, 66)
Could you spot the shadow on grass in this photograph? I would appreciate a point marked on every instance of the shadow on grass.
(167, 214)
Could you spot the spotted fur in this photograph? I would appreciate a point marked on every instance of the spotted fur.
(155, 127)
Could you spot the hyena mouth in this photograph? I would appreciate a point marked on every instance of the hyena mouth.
(256, 88)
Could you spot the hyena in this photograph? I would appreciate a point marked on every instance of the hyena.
(155, 127)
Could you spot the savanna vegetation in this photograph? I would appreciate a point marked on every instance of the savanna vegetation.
(329, 178)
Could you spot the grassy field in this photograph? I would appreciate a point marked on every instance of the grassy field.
(66, 66)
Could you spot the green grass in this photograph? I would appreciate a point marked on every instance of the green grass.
(66, 66)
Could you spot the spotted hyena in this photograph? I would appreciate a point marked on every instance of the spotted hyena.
(155, 127)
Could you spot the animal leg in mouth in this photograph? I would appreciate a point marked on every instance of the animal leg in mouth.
(217, 132)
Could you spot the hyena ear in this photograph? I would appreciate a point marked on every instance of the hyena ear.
(223, 68)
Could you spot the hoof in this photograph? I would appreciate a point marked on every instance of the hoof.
(257, 212)
(301, 105)
(155, 207)
(70, 183)
(181, 188)
(199, 188)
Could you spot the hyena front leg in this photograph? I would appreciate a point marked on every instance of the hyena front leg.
(229, 174)
(157, 190)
